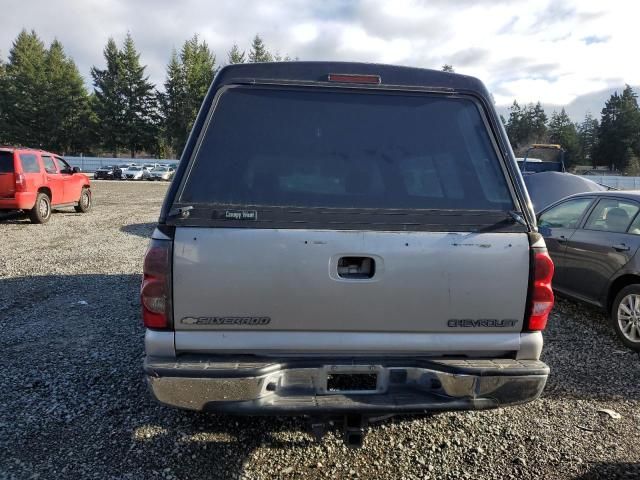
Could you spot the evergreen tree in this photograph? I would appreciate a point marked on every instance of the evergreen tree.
(619, 132)
(198, 64)
(448, 68)
(526, 125)
(67, 103)
(42, 97)
(141, 116)
(189, 76)
(513, 124)
(563, 132)
(537, 122)
(235, 55)
(588, 138)
(24, 92)
(126, 103)
(259, 52)
(173, 102)
(279, 58)
(108, 102)
(3, 102)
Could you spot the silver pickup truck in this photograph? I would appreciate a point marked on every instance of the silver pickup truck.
(345, 239)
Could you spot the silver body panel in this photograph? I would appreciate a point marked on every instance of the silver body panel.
(423, 282)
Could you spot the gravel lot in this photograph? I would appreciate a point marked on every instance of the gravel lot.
(73, 403)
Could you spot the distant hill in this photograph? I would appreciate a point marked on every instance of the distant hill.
(590, 102)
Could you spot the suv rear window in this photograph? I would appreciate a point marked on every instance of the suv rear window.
(6, 162)
(311, 148)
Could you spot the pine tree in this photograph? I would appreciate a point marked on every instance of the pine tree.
(619, 132)
(108, 102)
(66, 107)
(140, 116)
(198, 64)
(513, 124)
(537, 122)
(259, 52)
(173, 102)
(563, 132)
(189, 76)
(42, 96)
(448, 68)
(588, 138)
(235, 55)
(526, 125)
(3, 102)
(25, 92)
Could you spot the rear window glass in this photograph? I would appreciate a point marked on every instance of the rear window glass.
(29, 163)
(6, 162)
(346, 150)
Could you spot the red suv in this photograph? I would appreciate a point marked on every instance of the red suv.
(35, 181)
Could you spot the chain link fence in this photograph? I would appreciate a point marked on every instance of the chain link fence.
(616, 181)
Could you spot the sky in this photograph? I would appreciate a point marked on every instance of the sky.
(529, 50)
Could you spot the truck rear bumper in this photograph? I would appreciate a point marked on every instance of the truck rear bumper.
(21, 201)
(304, 386)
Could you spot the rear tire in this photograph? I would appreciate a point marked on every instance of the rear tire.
(85, 201)
(625, 316)
(41, 211)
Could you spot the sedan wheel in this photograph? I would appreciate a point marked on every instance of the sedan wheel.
(629, 317)
(626, 316)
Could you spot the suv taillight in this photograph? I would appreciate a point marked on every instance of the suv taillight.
(21, 182)
(155, 293)
(541, 300)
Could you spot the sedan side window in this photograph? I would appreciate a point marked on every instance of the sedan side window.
(565, 215)
(612, 215)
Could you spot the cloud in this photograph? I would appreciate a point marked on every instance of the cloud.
(596, 39)
(551, 50)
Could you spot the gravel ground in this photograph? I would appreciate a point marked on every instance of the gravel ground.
(73, 404)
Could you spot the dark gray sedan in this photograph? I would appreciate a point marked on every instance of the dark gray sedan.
(593, 238)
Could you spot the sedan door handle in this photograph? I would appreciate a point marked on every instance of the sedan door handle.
(621, 247)
(562, 239)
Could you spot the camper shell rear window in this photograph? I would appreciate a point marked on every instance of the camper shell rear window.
(277, 149)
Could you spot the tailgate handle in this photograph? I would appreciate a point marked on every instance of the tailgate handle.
(356, 267)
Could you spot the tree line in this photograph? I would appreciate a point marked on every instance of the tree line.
(44, 103)
(614, 141)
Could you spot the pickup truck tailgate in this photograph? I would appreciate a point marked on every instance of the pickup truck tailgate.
(277, 280)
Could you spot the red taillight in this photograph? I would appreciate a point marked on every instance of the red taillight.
(21, 182)
(155, 293)
(541, 301)
(354, 78)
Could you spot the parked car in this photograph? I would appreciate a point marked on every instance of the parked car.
(135, 173)
(150, 166)
(593, 239)
(161, 173)
(341, 258)
(546, 188)
(109, 172)
(36, 182)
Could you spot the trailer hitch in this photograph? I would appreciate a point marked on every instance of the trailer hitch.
(354, 428)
